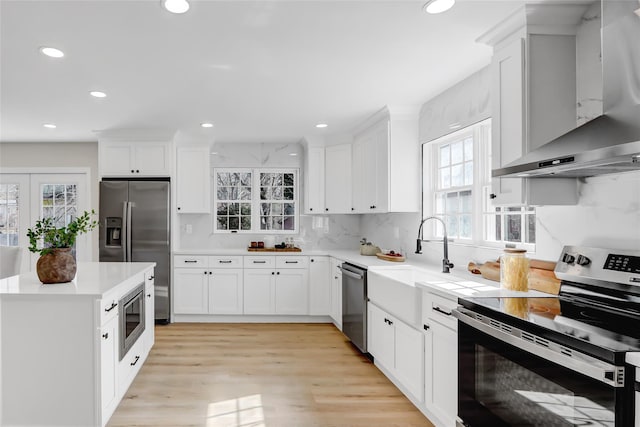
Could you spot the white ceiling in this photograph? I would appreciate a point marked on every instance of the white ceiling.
(261, 71)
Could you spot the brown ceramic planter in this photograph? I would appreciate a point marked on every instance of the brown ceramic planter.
(58, 266)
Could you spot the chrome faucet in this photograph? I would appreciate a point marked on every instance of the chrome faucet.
(446, 265)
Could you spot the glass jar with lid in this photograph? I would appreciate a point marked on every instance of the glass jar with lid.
(514, 270)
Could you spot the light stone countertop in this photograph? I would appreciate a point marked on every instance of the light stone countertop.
(92, 279)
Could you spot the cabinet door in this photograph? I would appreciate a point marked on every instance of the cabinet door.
(292, 291)
(314, 188)
(441, 373)
(319, 286)
(190, 291)
(225, 291)
(508, 119)
(336, 292)
(409, 353)
(116, 159)
(358, 180)
(380, 177)
(152, 158)
(193, 180)
(338, 179)
(381, 337)
(108, 367)
(149, 310)
(259, 291)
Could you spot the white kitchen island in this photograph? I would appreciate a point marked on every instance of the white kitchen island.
(60, 344)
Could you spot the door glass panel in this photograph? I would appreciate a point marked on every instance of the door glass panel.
(58, 202)
(9, 214)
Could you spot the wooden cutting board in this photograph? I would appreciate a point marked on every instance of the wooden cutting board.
(390, 258)
(541, 275)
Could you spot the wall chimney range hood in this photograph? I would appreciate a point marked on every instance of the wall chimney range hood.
(609, 143)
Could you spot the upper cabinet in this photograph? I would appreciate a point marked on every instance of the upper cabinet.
(535, 95)
(314, 180)
(135, 156)
(337, 179)
(193, 180)
(386, 163)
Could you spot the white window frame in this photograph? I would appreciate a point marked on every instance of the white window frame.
(482, 207)
(256, 201)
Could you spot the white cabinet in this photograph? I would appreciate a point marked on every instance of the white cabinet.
(108, 363)
(280, 290)
(319, 286)
(336, 291)
(386, 168)
(440, 358)
(533, 96)
(208, 285)
(193, 180)
(135, 158)
(398, 348)
(337, 198)
(314, 180)
(149, 309)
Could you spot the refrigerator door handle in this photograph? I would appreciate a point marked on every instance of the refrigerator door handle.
(128, 246)
(125, 230)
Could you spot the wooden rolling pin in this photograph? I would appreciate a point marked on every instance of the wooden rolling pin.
(541, 276)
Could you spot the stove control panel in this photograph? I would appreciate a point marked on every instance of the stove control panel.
(595, 265)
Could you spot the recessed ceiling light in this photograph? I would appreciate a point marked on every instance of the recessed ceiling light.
(321, 125)
(206, 125)
(438, 6)
(293, 154)
(52, 52)
(176, 6)
(49, 125)
(97, 94)
(214, 152)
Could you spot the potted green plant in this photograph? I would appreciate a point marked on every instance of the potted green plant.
(56, 263)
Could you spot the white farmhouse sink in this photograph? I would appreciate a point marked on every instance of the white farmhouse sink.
(394, 290)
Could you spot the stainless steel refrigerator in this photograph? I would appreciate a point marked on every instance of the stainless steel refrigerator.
(135, 227)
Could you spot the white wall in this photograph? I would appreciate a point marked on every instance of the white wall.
(56, 155)
(315, 231)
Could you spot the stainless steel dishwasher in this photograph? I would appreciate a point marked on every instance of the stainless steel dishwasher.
(354, 305)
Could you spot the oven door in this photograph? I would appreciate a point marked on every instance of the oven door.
(503, 382)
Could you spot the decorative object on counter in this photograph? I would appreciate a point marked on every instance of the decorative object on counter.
(253, 245)
(368, 248)
(446, 264)
(269, 242)
(56, 263)
(514, 270)
(391, 256)
(541, 275)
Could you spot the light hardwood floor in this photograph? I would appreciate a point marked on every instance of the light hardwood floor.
(261, 375)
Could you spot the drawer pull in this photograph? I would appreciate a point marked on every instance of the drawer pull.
(425, 327)
(151, 278)
(291, 262)
(259, 262)
(135, 361)
(113, 305)
(224, 261)
(439, 310)
(190, 261)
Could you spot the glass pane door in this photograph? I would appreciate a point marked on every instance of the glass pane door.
(14, 213)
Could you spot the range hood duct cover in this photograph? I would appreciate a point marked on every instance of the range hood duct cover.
(609, 143)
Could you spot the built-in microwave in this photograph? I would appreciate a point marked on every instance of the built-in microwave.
(131, 311)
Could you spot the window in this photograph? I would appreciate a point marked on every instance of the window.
(58, 201)
(457, 184)
(256, 200)
(9, 218)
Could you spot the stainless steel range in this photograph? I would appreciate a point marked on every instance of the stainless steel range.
(556, 361)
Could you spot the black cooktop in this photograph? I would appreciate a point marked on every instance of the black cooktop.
(593, 329)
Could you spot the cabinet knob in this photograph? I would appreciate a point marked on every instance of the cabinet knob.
(205, 272)
(312, 260)
(310, 209)
(131, 170)
(105, 335)
(425, 327)
(178, 207)
(273, 273)
(353, 209)
(137, 170)
(151, 278)
(278, 273)
(326, 209)
(148, 295)
(492, 196)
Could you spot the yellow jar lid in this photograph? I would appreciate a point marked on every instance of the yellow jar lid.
(514, 250)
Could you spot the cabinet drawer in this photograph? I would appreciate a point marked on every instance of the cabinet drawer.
(292, 262)
(131, 363)
(435, 307)
(225, 262)
(108, 308)
(259, 262)
(190, 261)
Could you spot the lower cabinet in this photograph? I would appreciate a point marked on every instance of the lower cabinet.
(440, 358)
(336, 291)
(225, 291)
(319, 286)
(270, 291)
(109, 352)
(398, 348)
(190, 291)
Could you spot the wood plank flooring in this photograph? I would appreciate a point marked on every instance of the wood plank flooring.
(261, 375)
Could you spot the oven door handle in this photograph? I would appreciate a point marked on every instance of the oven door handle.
(578, 362)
